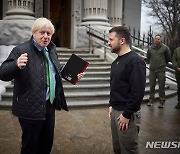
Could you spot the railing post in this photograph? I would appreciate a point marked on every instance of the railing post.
(148, 41)
(139, 37)
(150, 35)
(143, 40)
(104, 46)
(90, 40)
(134, 35)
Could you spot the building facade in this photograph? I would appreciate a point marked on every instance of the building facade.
(70, 18)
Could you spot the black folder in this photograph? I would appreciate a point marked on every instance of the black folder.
(73, 67)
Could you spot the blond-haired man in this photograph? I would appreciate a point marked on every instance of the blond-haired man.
(38, 89)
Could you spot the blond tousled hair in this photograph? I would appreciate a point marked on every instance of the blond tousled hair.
(42, 22)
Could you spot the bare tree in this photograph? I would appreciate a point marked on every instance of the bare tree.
(168, 14)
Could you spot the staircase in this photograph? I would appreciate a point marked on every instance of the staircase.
(92, 89)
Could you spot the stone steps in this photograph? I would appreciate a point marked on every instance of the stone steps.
(76, 51)
(105, 101)
(89, 81)
(92, 89)
(85, 87)
(88, 59)
(85, 92)
(87, 102)
(82, 55)
(99, 64)
(98, 68)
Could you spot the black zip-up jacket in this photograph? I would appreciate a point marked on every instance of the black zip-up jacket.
(29, 93)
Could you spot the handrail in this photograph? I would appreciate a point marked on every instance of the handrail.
(90, 28)
(91, 34)
(143, 53)
(98, 37)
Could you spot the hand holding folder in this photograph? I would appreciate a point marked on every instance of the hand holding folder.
(74, 66)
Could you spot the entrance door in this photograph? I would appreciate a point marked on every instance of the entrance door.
(1, 9)
(60, 15)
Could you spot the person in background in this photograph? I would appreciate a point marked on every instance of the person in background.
(38, 88)
(127, 86)
(176, 65)
(158, 55)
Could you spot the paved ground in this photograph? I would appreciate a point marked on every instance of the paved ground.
(87, 131)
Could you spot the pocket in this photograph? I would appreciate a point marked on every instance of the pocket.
(137, 117)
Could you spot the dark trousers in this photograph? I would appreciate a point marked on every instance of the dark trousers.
(37, 135)
(178, 86)
(161, 81)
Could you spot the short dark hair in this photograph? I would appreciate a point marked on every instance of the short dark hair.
(158, 35)
(122, 32)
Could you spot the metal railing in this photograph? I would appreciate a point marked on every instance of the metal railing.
(92, 33)
(99, 36)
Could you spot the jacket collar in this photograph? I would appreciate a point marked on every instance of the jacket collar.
(50, 46)
(157, 46)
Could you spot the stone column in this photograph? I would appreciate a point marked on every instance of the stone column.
(95, 12)
(16, 25)
(115, 12)
(20, 9)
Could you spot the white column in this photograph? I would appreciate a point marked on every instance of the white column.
(95, 12)
(115, 12)
(20, 9)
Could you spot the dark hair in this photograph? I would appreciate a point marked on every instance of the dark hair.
(158, 35)
(122, 32)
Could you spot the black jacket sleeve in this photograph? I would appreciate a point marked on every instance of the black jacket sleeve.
(9, 68)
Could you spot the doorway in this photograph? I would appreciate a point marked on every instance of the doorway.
(1, 9)
(60, 15)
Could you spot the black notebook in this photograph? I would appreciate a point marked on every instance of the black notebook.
(73, 67)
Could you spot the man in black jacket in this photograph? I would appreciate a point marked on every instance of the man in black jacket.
(38, 89)
(127, 85)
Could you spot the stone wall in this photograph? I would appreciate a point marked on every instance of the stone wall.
(14, 32)
(5, 51)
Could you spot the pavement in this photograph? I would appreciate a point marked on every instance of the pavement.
(87, 130)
